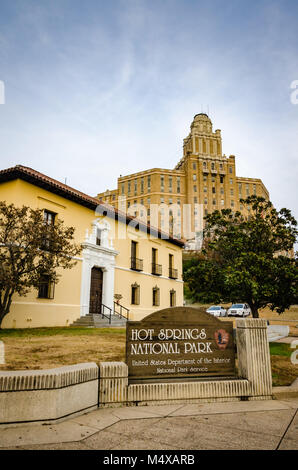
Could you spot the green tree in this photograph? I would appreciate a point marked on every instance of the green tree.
(248, 259)
(30, 248)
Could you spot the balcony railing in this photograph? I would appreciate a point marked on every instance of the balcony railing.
(136, 264)
(156, 269)
(173, 273)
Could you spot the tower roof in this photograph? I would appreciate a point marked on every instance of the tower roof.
(202, 122)
(201, 117)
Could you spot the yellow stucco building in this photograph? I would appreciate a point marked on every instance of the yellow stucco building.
(132, 264)
(176, 200)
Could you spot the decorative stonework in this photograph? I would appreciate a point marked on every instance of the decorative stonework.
(100, 256)
(104, 228)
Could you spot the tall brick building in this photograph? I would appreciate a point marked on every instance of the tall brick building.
(176, 200)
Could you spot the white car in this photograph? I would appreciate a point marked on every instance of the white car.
(239, 310)
(217, 311)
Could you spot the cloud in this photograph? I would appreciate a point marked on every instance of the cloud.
(111, 89)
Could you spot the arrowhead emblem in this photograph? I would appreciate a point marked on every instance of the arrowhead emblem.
(221, 338)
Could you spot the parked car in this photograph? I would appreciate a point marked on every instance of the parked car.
(239, 310)
(217, 311)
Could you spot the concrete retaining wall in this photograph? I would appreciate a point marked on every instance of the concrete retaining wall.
(53, 394)
(275, 332)
(48, 394)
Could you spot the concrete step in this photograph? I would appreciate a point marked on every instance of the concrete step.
(87, 320)
(115, 321)
(97, 321)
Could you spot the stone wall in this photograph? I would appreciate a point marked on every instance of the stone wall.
(48, 395)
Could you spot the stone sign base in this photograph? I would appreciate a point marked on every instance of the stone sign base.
(254, 380)
(49, 395)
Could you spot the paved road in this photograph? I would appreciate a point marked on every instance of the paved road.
(244, 425)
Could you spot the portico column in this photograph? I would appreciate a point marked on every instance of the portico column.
(108, 286)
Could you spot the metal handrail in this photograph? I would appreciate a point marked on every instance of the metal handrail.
(120, 314)
(109, 315)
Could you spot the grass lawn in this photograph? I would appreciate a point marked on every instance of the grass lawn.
(283, 371)
(46, 348)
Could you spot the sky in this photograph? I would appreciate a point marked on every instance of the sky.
(95, 89)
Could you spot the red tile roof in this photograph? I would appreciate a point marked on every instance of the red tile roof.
(39, 179)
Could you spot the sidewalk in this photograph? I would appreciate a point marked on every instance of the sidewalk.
(243, 425)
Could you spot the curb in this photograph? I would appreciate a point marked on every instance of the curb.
(291, 391)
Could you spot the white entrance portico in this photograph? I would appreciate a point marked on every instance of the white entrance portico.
(98, 251)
